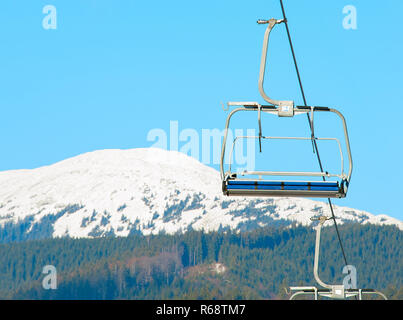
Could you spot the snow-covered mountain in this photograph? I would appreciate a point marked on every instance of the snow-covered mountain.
(149, 191)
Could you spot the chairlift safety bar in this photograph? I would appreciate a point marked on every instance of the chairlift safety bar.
(254, 106)
(273, 173)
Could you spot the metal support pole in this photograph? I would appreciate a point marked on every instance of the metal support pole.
(322, 220)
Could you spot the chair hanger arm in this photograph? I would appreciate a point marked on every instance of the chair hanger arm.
(271, 23)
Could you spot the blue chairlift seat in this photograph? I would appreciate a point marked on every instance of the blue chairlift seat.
(320, 189)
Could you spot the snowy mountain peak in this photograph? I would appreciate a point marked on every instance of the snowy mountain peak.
(142, 190)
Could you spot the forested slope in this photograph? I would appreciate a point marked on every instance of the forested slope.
(196, 265)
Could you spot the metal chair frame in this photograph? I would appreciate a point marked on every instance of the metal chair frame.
(282, 108)
(329, 291)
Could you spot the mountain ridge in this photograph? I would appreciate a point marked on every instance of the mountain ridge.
(145, 190)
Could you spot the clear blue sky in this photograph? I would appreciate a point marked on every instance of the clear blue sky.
(113, 70)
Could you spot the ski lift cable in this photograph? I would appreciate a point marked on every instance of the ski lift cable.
(315, 145)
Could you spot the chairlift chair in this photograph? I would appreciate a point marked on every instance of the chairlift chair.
(333, 291)
(251, 183)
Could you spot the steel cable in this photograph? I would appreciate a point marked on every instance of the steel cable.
(311, 128)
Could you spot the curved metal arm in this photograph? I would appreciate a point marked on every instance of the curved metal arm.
(271, 23)
(225, 138)
(347, 140)
(373, 292)
(313, 291)
(322, 220)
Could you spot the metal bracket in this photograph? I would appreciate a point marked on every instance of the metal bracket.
(312, 129)
(261, 21)
(259, 119)
(286, 109)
